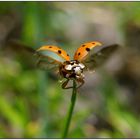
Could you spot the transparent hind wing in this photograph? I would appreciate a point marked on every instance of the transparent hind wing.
(47, 63)
(95, 59)
(34, 58)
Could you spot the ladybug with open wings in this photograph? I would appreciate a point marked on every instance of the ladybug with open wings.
(84, 58)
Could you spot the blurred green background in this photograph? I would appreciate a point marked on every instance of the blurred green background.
(32, 103)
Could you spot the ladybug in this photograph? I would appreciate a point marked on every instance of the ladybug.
(84, 58)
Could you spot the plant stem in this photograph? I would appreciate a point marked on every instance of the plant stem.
(73, 100)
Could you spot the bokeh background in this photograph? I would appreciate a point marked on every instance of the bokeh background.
(32, 103)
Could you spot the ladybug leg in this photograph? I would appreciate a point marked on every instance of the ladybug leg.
(65, 84)
(82, 82)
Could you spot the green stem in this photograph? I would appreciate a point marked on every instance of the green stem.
(73, 100)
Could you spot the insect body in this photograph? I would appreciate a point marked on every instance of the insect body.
(73, 69)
